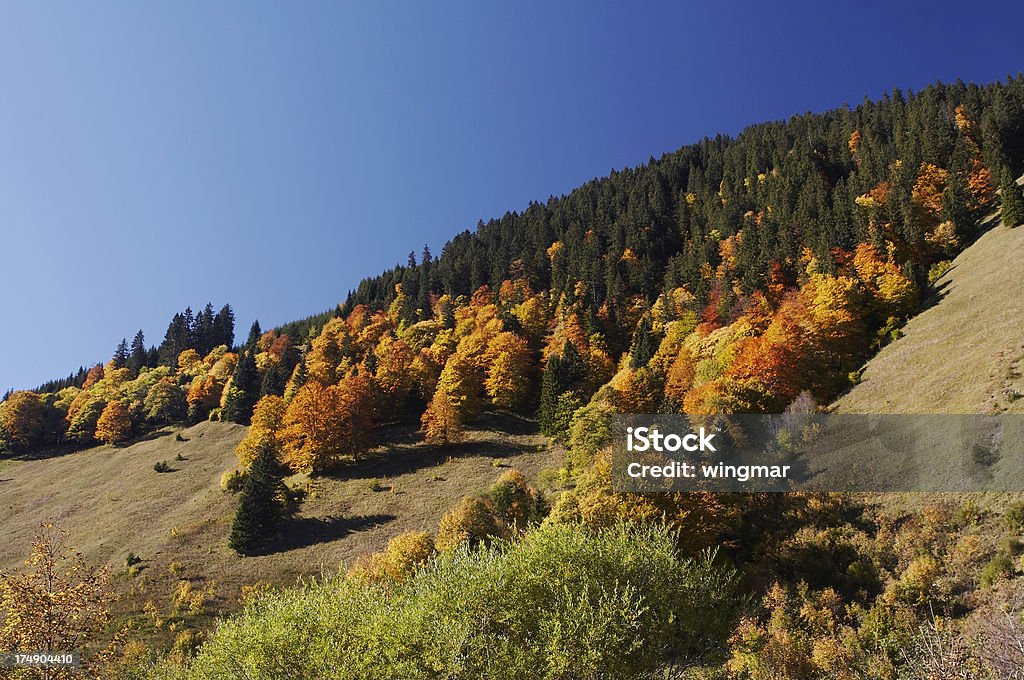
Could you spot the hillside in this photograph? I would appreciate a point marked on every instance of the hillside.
(979, 368)
(112, 502)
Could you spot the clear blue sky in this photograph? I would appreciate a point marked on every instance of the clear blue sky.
(161, 154)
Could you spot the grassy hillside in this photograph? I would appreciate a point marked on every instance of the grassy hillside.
(965, 352)
(112, 502)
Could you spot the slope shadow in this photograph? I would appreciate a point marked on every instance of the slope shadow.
(402, 449)
(61, 450)
(302, 532)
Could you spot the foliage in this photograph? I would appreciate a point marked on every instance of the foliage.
(114, 424)
(59, 604)
(260, 505)
(1012, 200)
(565, 602)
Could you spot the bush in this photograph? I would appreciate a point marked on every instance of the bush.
(471, 522)
(936, 271)
(1014, 517)
(232, 481)
(186, 644)
(161, 466)
(563, 603)
(997, 569)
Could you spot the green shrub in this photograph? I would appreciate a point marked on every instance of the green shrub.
(969, 513)
(936, 271)
(161, 466)
(565, 602)
(232, 481)
(1014, 517)
(998, 568)
(589, 432)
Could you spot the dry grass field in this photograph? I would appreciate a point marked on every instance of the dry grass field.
(965, 352)
(112, 502)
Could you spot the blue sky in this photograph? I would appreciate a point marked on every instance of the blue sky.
(270, 155)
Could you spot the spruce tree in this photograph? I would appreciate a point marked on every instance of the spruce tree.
(549, 393)
(254, 334)
(645, 344)
(244, 390)
(1012, 200)
(137, 358)
(275, 380)
(120, 358)
(260, 506)
(175, 341)
(224, 327)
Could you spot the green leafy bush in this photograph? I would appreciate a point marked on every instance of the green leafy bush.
(565, 602)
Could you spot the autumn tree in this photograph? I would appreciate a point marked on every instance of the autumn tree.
(393, 375)
(267, 418)
(471, 522)
(322, 424)
(260, 505)
(508, 370)
(327, 351)
(165, 402)
(441, 422)
(83, 418)
(115, 423)
(21, 417)
(58, 604)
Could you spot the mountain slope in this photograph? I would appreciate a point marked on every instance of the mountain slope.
(112, 502)
(964, 353)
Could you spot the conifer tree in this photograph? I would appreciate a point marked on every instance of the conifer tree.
(137, 357)
(175, 341)
(120, 358)
(275, 380)
(244, 390)
(254, 334)
(224, 327)
(260, 506)
(1012, 200)
(645, 344)
(562, 374)
(549, 392)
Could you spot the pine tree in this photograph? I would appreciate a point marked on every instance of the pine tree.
(244, 390)
(260, 506)
(204, 332)
(224, 327)
(254, 334)
(120, 358)
(645, 344)
(1012, 200)
(549, 393)
(137, 357)
(175, 341)
(275, 380)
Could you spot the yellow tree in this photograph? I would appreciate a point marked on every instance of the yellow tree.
(323, 424)
(21, 417)
(115, 423)
(441, 423)
(327, 350)
(508, 372)
(394, 373)
(267, 417)
(59, 604)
